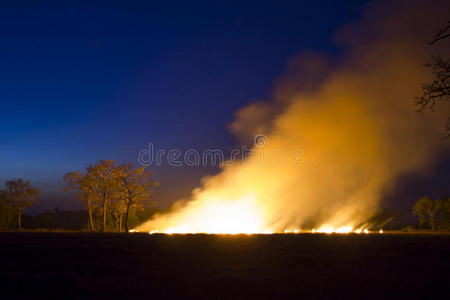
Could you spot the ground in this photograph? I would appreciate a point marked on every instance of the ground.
(81, 265)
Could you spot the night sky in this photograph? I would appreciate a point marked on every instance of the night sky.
(101, 80)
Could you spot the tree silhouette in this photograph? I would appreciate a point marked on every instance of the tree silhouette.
(135, 188)
(113, 190)
(103, 180)
(6, 212)
(439, 88)
(78, 181)
(95, 187)
(426, 209)
(19, 194)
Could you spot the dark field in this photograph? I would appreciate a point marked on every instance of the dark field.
(65, 265)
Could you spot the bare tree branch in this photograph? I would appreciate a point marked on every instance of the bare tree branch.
(441, 34)
(439, 88)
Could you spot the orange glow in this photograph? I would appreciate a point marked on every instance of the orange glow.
(222, 226)
(241, 216)
(339, 141)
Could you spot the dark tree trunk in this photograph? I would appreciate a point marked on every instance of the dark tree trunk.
(91, 221)
(104, 214)
(19, 219)
(126, 215)
(116, 221)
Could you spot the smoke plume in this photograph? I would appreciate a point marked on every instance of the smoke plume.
(353, 120)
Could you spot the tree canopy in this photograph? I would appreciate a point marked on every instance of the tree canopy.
(110, 191)
(19, 194)
(433, 212)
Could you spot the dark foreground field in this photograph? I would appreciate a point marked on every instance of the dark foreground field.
(63, 265)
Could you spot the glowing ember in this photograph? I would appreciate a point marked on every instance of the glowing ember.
(330, 229)
(327, 229)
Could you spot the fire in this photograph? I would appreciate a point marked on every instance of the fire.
(342, 229)
(331, 229)
(237, 230)
(225, 219)
(330, 146)
(241, 216)
(244, 215)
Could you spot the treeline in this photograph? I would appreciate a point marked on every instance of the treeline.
(117, 197)
(57, 220)
(76, 220)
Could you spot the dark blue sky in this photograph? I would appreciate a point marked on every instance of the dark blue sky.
(101, 80)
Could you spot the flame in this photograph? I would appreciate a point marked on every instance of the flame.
(238, 230)
(342, 229)
(241, 216)
(244, 215)
(225, 220)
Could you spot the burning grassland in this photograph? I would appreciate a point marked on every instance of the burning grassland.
(354, 122)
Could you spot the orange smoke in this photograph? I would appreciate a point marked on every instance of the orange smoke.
(354, 123)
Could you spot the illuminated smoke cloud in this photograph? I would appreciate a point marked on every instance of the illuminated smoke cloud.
(354, 121)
